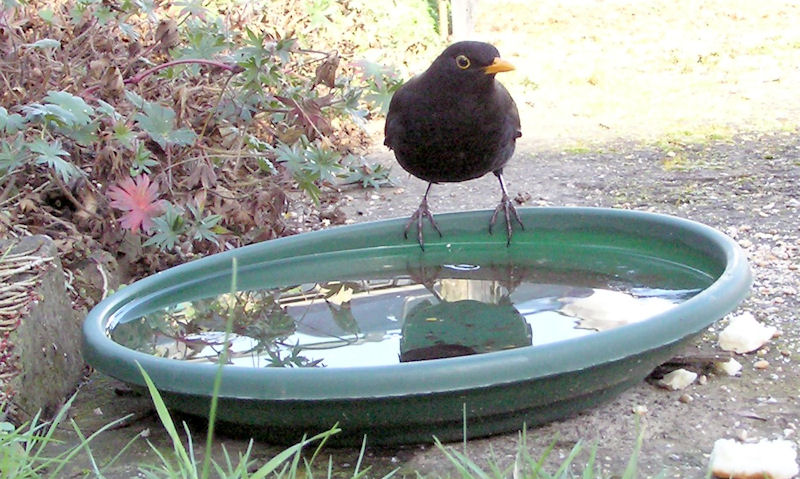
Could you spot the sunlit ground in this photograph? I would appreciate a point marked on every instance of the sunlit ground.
(661, 70)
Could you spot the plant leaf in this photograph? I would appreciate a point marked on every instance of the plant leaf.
(168, 227)
(159, 123)
(43, 44)
(10, 123)
(78, 108)
(51, 154)
(12, 156)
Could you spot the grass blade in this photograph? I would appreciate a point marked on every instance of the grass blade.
(165, 418)
(223, 359)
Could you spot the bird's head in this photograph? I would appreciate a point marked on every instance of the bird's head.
(471, 61)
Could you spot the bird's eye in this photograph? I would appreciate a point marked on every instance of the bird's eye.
(462, 62)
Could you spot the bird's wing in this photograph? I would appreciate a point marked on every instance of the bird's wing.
(512, 114)
(398, 109)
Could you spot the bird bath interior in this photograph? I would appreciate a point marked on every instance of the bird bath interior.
(357, 326)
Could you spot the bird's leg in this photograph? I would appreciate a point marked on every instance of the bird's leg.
(508, 210)
(421, 213)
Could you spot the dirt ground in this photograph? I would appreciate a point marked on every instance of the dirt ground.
(675, 107)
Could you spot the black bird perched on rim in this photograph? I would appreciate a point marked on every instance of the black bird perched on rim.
(454, 123)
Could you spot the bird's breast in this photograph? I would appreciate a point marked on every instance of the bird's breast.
(446, 137)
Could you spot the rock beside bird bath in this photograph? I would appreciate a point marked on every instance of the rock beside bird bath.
(731, 459)
(41, 362)
(744, 334)
(678, 379)
(730, 367)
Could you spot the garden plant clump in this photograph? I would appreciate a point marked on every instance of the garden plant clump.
(167, 131)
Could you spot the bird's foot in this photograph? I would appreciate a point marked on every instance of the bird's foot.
(418, 216)
(509, 212)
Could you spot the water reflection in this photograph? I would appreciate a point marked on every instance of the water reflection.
(421, 314)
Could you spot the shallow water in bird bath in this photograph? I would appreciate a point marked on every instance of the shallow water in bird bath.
(417, 314)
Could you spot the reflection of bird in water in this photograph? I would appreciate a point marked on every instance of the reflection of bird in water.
(447, 329)
(436, 351)
(455, 123)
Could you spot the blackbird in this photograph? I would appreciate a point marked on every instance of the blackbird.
(455, 123)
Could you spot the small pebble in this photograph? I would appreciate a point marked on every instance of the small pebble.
(730, 367)
(761, 364)
(686, 398)
(702, 380)
(97, 411)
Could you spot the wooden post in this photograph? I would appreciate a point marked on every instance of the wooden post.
(463, 23)
(444, 20)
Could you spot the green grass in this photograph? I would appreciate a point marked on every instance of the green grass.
(527, 466)
(23, 448)
(21, 456)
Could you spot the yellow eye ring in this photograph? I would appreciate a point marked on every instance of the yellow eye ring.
(462, 62)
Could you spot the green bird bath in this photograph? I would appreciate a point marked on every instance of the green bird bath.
(358, 326)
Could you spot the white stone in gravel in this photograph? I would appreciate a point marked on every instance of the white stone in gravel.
(745, 334)
(678, 379)
(772, 459)
(730, 367)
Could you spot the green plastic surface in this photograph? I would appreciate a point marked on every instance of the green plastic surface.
(411, 402)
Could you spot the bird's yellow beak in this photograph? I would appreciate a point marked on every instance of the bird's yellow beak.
(498, 65)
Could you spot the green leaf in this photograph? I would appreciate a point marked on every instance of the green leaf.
(51, 154)
(36, 112)
(47, 15)
(192, 7)
(266, 166)
(12, 156)
(104, 15)
(306, 181)
(202, 44)
(84, 135)
(68, 113)
(369, 175)
(204, 225)
(43, 44)
(10, 123)
(108, 110)
(123, 134)
(135, 99)
(168, 227)
(75, 105)
(284, 48)
(182, 137)
(293, 157)
(129, 30)
(142, 160)
(324, 163)
(159, 123)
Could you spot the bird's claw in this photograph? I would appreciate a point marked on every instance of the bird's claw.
(509, 212)
(422, 212)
